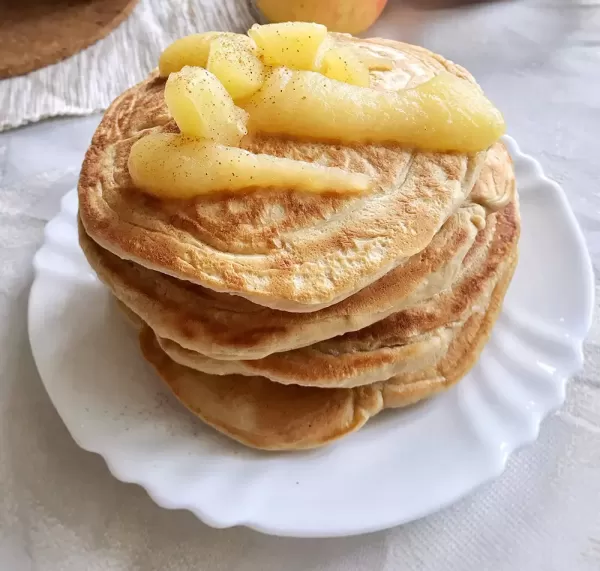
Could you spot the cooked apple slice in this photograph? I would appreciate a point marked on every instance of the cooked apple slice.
(233, 60)
(344, 64)
(170, 165)
(193, 50)
(291, 44)
(327, 44)
(445, 113)
(189, 50)
(202, 107)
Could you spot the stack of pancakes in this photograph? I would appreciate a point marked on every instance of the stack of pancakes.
(287, 319)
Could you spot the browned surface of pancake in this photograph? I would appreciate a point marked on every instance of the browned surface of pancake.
(404, 343)
(271, 416)
(226, 326)
(280, 248)
(37, 33)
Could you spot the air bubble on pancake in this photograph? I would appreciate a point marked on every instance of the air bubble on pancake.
(236, 206)
(273, 213)
(298, 282)
(254, 282)
(375, 254)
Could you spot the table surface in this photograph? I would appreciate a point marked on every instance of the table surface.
(60, 509)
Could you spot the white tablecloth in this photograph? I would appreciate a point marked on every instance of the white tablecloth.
(61, 510)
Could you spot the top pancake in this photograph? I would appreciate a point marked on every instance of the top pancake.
(277, 247)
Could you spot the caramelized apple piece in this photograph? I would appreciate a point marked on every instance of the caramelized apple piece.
(170, 165)
(327, 44)
(194, 50)
(202, 107)
(189, 50)
(345, 64)
(233, 60)
(445, 113)
(291, 44)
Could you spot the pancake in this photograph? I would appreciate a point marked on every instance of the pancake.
(272, 416)
(284, 249)
(223, 326)
(406, 342)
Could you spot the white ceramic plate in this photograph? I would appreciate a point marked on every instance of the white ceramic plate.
(401, 466)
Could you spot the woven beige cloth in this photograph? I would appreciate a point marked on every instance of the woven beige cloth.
(90, 80)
